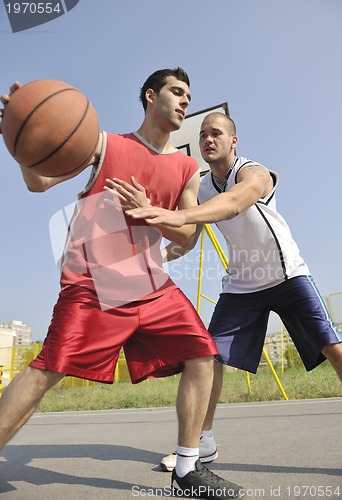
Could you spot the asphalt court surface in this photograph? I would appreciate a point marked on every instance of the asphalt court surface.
(283, 449)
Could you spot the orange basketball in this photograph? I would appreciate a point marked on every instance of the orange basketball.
(50, 127)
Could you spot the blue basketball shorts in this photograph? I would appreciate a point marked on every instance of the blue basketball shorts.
(239, 323)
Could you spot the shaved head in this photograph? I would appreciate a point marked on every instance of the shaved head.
(223, 119)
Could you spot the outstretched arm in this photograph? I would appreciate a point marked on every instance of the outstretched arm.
(253, 183)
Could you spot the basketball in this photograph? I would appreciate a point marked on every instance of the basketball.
(50, 127)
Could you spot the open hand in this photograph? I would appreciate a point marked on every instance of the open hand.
(157, 215)
(130, 195)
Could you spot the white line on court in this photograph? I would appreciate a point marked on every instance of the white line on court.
(171, 409)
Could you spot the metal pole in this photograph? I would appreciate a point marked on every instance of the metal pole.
(200, 274)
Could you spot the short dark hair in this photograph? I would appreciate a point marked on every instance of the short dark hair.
(158, 79)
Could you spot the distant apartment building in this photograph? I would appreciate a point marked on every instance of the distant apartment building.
(12, 334)
(23, 332)
(7, 340)
(279, 346)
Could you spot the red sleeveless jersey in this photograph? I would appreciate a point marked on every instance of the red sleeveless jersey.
(110, 253)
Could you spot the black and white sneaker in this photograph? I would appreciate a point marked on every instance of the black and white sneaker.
(203, 483)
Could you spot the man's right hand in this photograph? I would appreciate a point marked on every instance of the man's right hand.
(6, 97)
(157, 215)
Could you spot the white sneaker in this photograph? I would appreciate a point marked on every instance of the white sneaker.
(207, 452)
(207, 449)
(168, 463)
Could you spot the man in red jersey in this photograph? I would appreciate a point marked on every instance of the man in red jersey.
(114, 291)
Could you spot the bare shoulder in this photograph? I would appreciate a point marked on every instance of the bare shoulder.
(255, 170)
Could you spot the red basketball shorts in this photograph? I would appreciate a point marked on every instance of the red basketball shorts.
(157, 335)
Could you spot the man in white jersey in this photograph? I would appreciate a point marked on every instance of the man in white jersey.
(266, 272)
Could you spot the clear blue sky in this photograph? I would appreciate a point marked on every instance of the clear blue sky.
(278, 65)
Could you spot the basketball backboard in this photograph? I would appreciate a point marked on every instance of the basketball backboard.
(186, 138)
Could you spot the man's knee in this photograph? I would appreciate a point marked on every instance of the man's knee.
(204, 364)
(333, 351)
(41, 380)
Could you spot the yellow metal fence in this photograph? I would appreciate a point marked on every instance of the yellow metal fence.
(15, 359)
(278, 351)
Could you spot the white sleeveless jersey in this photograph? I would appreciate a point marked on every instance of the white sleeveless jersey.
(261, 250)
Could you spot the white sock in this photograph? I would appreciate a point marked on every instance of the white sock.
(186, 458)
(208, 433)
